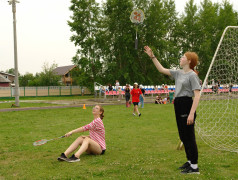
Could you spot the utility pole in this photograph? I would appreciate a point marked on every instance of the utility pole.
(16, 89)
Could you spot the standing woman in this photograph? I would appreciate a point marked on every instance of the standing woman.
(127, 94)
(135, 93)
(186, 86)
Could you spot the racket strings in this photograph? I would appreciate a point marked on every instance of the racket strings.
(68, 123)
(40, 142)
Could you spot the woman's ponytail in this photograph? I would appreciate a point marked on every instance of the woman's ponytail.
(101, 111)
(193, 58)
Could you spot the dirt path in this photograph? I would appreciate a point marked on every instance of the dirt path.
(72, 103)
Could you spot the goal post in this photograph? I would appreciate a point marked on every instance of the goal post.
(209, 69)
(217, 121)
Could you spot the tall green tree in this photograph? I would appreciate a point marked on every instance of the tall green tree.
(85, 24)
(202, 28)
(208, 22)
(25, 79)
(105, 38)
(190, 30)
(47, 76)
(12, 71)
(173, 53)
(159, 34)
(227, 17)
(120, 55)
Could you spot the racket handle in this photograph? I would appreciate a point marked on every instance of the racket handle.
(62, 136)
(136, 43)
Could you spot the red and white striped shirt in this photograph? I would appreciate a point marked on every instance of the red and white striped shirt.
(96, 132)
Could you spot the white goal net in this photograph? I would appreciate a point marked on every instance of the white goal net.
(217, 121)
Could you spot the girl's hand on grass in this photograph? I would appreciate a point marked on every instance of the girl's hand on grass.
(68, 134)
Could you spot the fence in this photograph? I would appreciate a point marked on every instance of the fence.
(103, 92)
(45, 91)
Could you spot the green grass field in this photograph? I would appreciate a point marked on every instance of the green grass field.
(49, 98)
(40, 101)
(137, 148)
(25, 104)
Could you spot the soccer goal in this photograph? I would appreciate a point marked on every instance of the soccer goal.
(217, 121)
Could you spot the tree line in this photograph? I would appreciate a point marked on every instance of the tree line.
(105, 40)
(105, 36)
(45, 78)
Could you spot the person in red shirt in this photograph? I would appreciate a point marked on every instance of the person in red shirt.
(135, 93)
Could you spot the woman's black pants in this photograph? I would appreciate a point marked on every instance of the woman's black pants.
(182, 107)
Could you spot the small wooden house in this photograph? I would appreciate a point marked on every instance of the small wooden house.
(64, 72)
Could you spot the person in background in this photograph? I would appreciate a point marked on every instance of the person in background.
(162, 87)
(127, 95)
(230, 88)
(206, 85)
(110, 88)
(119, 93)
(213, 85)
(171, 96)
(135, 93)
(82, 90)
(165, 100)
(166, 89)
(141, 103)
(156, 88)
(158, 100)
(102, 90)
(117, 84)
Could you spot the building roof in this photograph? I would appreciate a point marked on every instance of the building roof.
(63, 70)
(7, 74)
(3, 79)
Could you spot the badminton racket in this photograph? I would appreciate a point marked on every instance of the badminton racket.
(137, 17)
(43, 141)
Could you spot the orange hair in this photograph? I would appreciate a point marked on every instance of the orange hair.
(193, 58)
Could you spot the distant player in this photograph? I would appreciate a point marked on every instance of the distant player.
(135, 93)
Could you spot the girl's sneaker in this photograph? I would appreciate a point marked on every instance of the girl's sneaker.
(73, 158)
(184, 166)
(62, 157)
(190, 170)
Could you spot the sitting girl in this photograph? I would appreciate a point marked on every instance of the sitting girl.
(92, 144)
(158, 100)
